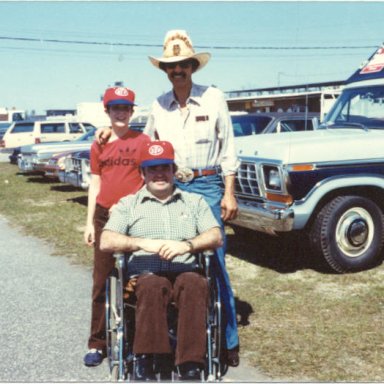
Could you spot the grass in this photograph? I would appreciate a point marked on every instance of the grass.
(49, 210)
(297, 321)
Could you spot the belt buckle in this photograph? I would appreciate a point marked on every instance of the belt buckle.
(184, 175)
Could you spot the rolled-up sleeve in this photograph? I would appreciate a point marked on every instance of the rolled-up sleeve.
(229, 161)
(206, 219)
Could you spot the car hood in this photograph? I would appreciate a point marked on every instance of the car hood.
(53, 145)
(320, 145)
(55, 148)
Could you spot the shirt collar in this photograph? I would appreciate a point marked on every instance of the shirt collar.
(146, 195)
(194, 97)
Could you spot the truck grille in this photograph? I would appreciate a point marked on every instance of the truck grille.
(246, 180)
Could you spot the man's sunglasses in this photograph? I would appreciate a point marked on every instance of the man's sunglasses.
(182, 64)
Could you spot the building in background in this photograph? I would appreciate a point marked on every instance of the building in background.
(315, 97)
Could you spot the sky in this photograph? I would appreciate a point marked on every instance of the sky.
(56, 54)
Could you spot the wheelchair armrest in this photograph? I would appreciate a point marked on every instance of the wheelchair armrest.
(204, 259)
(116, 255)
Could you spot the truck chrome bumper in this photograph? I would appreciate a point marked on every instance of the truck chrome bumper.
(257, 217)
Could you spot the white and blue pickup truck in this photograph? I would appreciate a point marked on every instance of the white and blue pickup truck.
(329, 182)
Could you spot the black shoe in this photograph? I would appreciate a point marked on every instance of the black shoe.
(144, 368)
(164, 365)
(190, 371)
(232, 357)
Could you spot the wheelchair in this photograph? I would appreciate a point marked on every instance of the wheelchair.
(120, 325)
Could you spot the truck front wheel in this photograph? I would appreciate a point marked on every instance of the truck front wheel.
(348, 233)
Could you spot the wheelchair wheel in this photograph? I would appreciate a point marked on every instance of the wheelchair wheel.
(115, 328)
(213, 370)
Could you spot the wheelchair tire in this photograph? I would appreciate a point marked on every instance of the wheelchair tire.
(115, 328)
(213, 370)
(114, 375)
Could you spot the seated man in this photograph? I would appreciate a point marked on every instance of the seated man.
(163, 227)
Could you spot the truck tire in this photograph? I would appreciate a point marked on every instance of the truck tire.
(348, 233)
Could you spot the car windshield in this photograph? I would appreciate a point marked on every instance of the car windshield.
(246, 125)
(88, 127)
(88, 136)
(4, 126)
(358, 108)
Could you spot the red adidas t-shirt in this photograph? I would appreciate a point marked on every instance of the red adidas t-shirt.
(117, 163)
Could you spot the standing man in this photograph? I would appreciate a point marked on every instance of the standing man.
(195, 119)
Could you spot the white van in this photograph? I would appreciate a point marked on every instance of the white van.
(34, 132)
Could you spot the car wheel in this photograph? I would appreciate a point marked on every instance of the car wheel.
(348, 233)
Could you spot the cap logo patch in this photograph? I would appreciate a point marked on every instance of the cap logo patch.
(156, 150)
(121, 92)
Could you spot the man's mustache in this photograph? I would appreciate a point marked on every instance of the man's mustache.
(183, 74)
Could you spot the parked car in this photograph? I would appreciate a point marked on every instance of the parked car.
(77, 170)
(34, 157)
(328, 183)
(34, 132)
(274, 122)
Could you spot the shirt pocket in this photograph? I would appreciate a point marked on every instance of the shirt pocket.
(186, 224)
(203, 132)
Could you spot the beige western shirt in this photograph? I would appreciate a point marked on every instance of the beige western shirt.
(202, 134)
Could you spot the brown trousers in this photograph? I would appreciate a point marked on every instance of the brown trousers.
(189, 291)
(103, 265)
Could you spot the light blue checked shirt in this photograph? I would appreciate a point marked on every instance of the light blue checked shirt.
(202, 134)
(182, 217)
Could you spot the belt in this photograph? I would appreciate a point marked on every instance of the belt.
(204, 172)
(186, 174)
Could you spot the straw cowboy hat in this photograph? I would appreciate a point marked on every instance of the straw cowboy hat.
(178, 47)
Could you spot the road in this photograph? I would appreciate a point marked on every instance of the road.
(45, 316)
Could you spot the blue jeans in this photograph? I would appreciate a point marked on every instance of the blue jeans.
(210, 187)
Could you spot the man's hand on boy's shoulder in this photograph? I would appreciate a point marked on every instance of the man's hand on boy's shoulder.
(102, 135)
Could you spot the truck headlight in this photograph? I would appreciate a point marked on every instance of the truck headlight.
(272, 178)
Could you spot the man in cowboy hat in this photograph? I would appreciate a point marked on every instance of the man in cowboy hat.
(195, 119)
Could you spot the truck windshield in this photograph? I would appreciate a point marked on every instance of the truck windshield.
(246, 125)
(357, 108)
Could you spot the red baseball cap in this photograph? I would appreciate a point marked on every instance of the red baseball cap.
(157, 153)
(118, 95)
